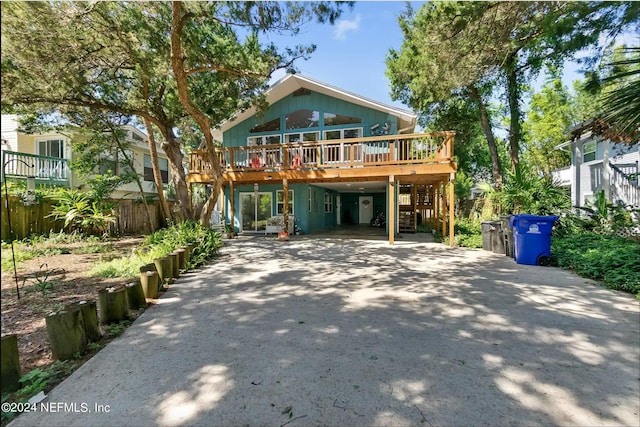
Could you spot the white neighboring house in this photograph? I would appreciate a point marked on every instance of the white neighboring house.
(599, 164)
(47, 156)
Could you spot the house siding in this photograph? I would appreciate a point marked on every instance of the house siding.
(237, 135)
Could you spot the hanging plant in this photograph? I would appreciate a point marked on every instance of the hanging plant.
(366, 202)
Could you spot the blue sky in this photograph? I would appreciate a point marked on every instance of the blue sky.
(351, 54)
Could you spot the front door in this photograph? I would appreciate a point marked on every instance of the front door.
(365, 206)
(255, 211)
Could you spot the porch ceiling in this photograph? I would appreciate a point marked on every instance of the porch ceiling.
(355, 187)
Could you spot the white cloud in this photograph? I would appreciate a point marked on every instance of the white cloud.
(343, 26)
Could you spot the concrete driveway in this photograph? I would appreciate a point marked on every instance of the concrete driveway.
(324, 331)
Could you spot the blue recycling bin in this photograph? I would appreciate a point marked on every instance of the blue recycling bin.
(532, 238)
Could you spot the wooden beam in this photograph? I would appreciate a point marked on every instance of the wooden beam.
(392, 209)
(410, 173)
(232, 198)
(451, 209)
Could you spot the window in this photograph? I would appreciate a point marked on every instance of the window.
(331, 119)
(51, 148)
(280, 202)
(328, 203)
(148, 169)
(136, 137)
(270, 126)
(589, 151)
(263, 140)
(302, 119)
(291, 138)
(343, 133)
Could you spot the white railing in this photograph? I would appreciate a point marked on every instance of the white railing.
(624, 189)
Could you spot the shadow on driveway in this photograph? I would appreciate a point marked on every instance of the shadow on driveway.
(356, 332)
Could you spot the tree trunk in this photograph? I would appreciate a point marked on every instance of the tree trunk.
(180, 75)
(515, 128)
(485, 123)
(172, 149)
(157, 176)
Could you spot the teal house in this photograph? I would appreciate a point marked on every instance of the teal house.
(327, 158)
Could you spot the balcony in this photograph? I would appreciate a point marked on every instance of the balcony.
(347, 159)
(46, 170)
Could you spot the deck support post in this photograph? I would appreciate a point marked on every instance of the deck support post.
(452, 178)
(233, 207)
(392, 209)
(443, 195)
(285, 210)
(223, 208)
(435, 207)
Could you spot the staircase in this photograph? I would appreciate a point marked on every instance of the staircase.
(624, 184)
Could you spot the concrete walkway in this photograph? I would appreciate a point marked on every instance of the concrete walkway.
(341, 332)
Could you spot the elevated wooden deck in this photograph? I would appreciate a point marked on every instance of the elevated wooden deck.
(412, 158)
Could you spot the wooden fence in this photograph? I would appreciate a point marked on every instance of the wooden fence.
(132, 218)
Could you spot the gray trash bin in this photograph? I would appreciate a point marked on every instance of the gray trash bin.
(508, 235)
(486, 235)
(492, 237)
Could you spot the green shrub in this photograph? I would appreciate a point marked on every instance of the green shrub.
(613, 260)
(162, 243)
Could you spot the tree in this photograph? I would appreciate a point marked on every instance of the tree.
(451, 47)
(117, 57)
(549, 118)
(194, 53)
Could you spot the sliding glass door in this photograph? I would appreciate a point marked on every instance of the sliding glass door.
(255, 211)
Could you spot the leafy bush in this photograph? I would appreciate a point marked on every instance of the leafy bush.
(613, 260)
(82, 213)
(162, 243)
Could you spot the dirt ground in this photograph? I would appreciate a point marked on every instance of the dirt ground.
(71, 281)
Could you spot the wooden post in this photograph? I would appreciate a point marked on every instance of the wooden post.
(135, 295)
(10, 361)
(164, 267)
(451, 207)
(182, 261)
(444, 209)
(285, 158)
(392, 209)
(224, 208)
(66, 334)
(89, 312)
(232, 198)
(149, 282)
(415, 207)
(436, 207)
(232, 159)
(175, 265)
(113, 305)
(285, 211)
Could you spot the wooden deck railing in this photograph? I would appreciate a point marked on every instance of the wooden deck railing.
(343, 153)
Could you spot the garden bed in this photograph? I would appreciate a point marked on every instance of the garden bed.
(71, 281)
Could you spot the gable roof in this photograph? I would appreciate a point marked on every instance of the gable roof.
(292, 82)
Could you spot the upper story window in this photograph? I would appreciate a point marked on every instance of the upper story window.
(302, 119)
(270, 126)
(148, 169)
(301, 137)
(343, 133)
(136, 137)
(331, 119)
(589, 151)
(51, 148)
(263, 140)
